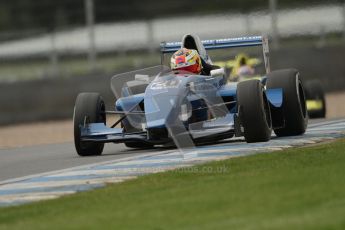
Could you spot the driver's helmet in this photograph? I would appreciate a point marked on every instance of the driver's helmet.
(187, 60)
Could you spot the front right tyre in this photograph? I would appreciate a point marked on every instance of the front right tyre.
(294, 103)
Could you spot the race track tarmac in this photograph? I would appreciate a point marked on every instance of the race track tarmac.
(24, 161)
(20, 162)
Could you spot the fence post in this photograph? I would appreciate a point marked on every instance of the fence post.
(274, 22)
(150, 36)
(343, 19)
(54, 59)
(322, 37)
(90, 21)
(247, 24)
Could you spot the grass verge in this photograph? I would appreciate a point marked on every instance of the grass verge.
(300, 188)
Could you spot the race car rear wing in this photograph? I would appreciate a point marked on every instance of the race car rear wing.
(170, 47)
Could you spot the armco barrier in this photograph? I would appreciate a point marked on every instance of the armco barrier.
(326, 64)
(47, 99)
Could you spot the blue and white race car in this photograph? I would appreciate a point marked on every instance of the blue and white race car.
(159, 106)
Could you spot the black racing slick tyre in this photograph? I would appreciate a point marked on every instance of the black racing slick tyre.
(89, 108)
(294, 104)
(254, 111)
(314, 92)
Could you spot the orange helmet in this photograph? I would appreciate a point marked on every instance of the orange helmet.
(187, 60)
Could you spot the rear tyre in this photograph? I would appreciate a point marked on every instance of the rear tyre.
(294, 105)
(314, 91)
(254, 111)
(89, 108)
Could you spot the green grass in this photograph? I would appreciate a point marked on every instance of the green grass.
(301, 188)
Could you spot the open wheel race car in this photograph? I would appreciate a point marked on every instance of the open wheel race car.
(159, 106)
(315, 99)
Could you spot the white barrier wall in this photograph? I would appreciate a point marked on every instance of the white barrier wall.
(144, 34)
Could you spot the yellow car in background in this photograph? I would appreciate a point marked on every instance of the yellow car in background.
(315, 99)
(234, 65)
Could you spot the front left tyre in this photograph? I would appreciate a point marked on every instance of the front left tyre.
(89, 108)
